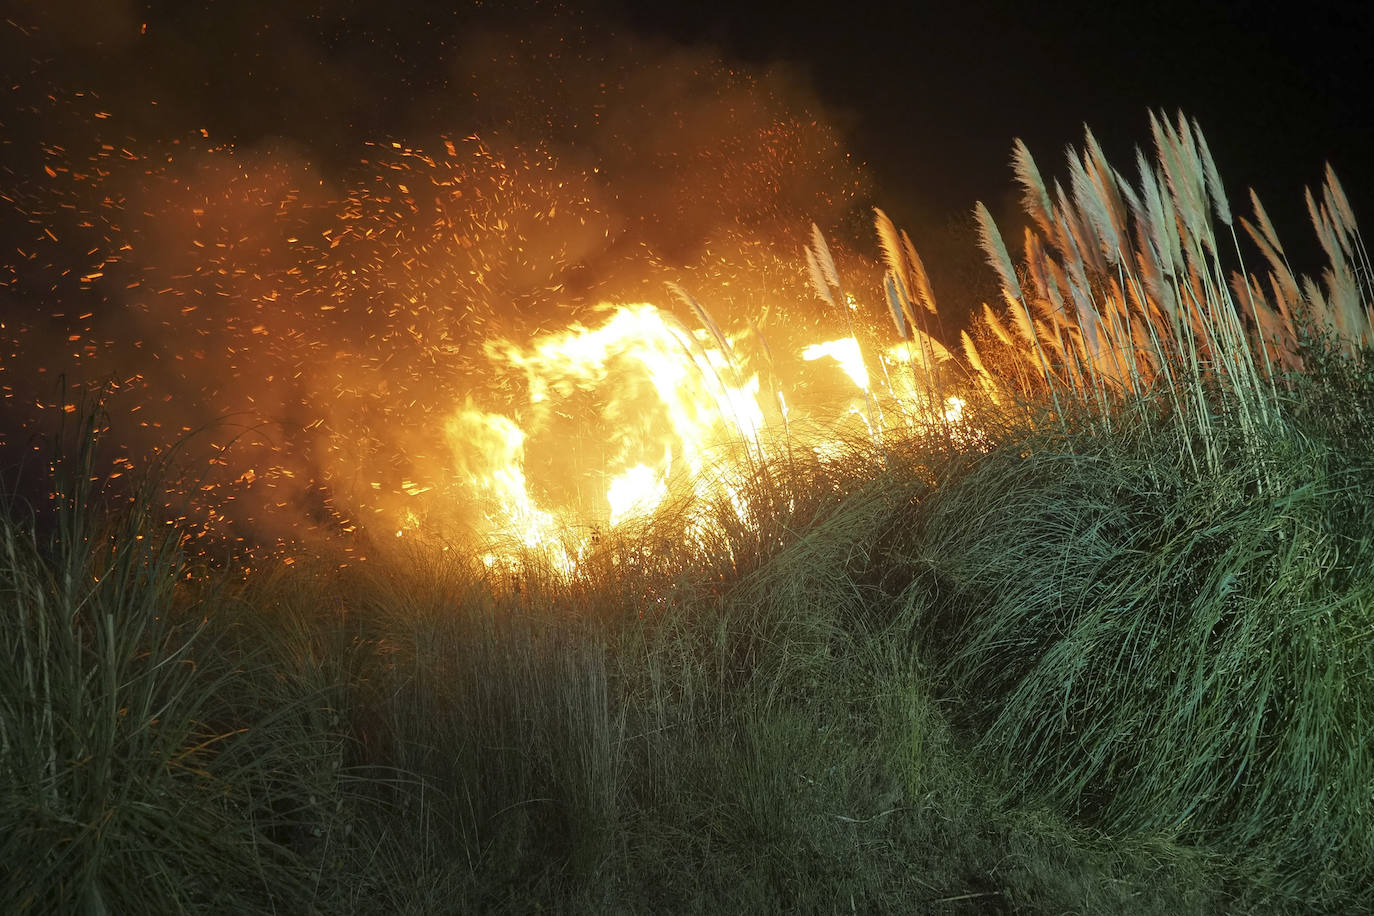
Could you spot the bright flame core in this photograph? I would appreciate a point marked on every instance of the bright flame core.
(601, 423)
(636, 402)
(847, 353)
(636, 493)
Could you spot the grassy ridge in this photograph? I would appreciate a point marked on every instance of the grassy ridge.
(881, 705)
(1113, 659)
(1158, 652)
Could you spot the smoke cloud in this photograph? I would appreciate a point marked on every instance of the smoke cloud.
(290, 241)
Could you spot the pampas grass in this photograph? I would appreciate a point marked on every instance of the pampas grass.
(996, 250)
(1138, 298)
(1187, 441)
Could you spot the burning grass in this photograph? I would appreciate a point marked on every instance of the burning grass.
(1093, 637)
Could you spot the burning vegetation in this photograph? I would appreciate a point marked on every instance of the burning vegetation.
(462, 344)
(465, 516)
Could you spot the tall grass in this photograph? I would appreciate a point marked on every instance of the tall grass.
(663, 731)
(1152, 604)
(1136, 300)
(1160, 652)
(149, 762)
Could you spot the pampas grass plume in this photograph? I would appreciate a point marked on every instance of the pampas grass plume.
(1209, 171)
(1034, 197)
(889, 242)
(823, 258)
(996, 325)
(996, 250)
(894, 302)
(924, 292)
(818, 277)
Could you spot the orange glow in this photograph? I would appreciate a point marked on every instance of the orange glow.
(636, 493)
(647, 401)
(847, 353)
(400, 355)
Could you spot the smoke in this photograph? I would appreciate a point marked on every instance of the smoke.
(289, 241)
(669, 131)
(82, 26)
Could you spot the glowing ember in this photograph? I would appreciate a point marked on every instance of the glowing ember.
(449, 344)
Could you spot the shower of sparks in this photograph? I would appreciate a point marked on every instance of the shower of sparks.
(405, 355)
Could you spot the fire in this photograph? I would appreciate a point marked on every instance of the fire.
(605, 420)
(847, 353)
(489, 450)
(450, 344)
(636, 493)
(638, 402)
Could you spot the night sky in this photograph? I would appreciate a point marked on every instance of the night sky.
(928, 99)
(934, 95)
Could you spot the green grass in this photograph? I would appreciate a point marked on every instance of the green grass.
(156, 756)
(1154, 652)
(1036, 680)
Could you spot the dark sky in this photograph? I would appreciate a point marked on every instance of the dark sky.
(929, 97)
(935, 92)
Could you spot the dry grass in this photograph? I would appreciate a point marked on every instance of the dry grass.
(1126, 295)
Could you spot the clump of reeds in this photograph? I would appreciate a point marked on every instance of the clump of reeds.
(1131, 298)
(1163, 652)
(146, 764)
(1152, 609)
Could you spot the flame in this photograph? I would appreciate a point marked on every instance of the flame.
(847, 353)
(636, 401)
(402, 348)
(636, 493)
(602, 421)
(489, 450)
